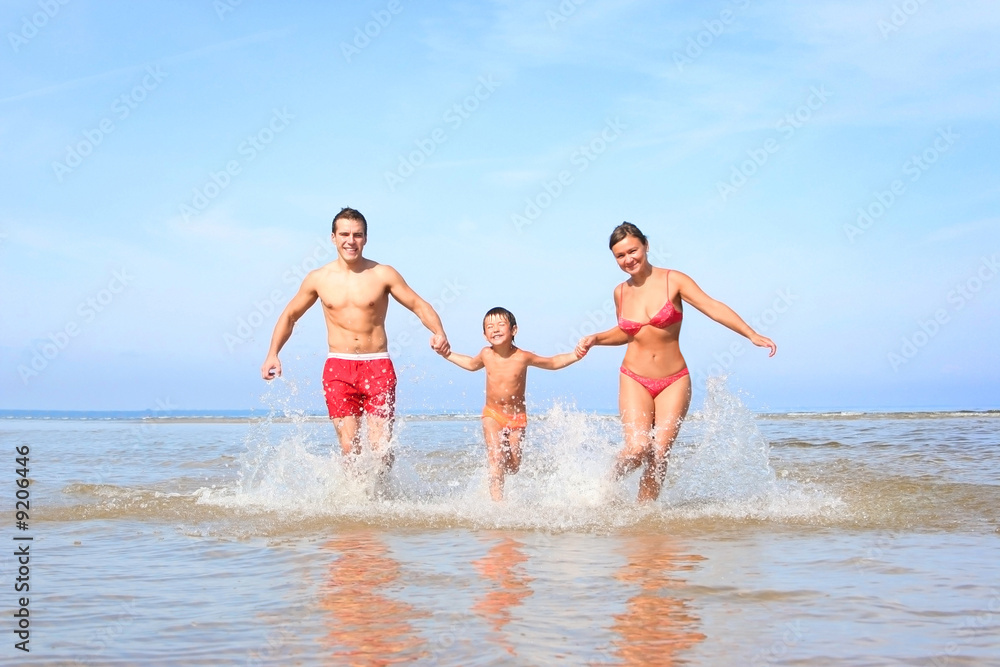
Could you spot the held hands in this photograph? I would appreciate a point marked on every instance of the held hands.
(584, 346)
(763, 341)
(271, 368)
(440, 344)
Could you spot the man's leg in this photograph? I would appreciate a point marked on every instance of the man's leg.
(349, 433)
(380, 408)
(380, 437)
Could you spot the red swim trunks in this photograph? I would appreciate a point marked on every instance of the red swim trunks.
(356, 384)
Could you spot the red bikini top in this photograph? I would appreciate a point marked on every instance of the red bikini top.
(668, 315)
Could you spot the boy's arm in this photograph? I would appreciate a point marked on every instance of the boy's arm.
(552, 363)
(300, 303)
(465, 361)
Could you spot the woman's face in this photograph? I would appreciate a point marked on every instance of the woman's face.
(630, 254)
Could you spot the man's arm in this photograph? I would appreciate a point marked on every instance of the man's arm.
(410, 300)
(300, 303)
(553, 363)
(464, 361)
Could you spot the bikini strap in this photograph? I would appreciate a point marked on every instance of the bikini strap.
(621, 302)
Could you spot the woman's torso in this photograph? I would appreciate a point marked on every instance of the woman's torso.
(651, 315)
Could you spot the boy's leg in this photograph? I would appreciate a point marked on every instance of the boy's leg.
(512, 451)
(493, 435)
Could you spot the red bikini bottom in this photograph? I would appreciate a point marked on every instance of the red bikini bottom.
(655, 385)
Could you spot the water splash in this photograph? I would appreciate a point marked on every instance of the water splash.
(719, 468)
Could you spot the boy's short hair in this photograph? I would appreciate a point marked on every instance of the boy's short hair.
(500, 312)
(351, 214)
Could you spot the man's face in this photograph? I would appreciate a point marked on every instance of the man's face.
(349, 237)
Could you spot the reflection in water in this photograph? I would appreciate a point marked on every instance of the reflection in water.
(656, 625)
(507, 585)
(366, 626)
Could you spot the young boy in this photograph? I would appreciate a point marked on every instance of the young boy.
(504, 418)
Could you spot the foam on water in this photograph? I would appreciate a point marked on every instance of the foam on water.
(719, 468)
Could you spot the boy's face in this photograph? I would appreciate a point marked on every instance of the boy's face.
(497, 330)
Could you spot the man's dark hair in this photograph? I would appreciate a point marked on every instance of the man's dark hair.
(351, 214)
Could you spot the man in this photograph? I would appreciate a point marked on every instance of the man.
(358, 378)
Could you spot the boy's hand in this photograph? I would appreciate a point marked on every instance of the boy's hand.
(584, 346)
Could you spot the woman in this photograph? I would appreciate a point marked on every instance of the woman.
(654, 388)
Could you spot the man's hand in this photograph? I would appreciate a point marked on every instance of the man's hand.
(440, 344)
(271, 368)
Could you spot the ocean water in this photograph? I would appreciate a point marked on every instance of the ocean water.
(792, 539)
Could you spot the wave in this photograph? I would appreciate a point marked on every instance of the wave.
(721, 473)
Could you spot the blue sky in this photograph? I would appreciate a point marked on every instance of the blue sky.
(171, 168)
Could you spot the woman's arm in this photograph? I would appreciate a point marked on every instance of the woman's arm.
(718, 311)
(613, 336)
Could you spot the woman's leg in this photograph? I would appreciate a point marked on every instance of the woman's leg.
(671, 406)
(635, 406)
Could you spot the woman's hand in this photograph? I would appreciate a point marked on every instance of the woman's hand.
(763, 341)
(584, 345)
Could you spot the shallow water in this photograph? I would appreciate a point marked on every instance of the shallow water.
(780, 539)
